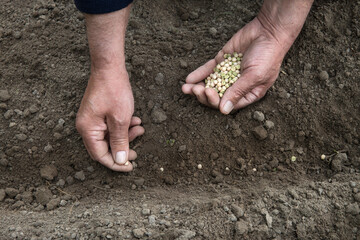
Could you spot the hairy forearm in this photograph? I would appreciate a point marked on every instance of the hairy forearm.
(284, 19)
(106, 37)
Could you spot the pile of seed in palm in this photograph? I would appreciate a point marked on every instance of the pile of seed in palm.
(225, 73)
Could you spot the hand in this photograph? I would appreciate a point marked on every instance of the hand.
(264, 43)
(105, 117)
(260, 67)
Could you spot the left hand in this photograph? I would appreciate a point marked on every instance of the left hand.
(262, 58)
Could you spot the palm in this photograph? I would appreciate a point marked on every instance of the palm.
(260, 67)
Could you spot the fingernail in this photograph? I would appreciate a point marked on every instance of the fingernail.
(228, 107)
(120, 157)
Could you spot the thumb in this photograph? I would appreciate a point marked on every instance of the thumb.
(237, 91)
(119, 139)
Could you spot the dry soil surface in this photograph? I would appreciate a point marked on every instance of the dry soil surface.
(247, 188)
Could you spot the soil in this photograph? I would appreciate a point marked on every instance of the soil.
(262, 177)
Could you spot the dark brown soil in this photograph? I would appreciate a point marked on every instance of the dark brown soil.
(247, 188)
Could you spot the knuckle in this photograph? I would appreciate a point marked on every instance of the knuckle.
(118, 141)
(122, 120)
(258, 76)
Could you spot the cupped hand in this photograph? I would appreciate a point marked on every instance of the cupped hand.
(262, 57)
(105, 119)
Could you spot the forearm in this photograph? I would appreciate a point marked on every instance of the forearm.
(284, 19)
(106, 37)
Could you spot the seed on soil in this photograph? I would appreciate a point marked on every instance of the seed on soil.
(161, 169)
(323, 157)
(225, 74)
(293, 158)
(199, 166)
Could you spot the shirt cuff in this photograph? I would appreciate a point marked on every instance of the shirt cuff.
(101, 6)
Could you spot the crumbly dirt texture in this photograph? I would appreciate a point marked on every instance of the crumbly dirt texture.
(248, 187)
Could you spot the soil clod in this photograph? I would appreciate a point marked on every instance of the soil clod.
(158, 115)
(11, 192)
(260, 132)
(49, 172)
(4, 95)
(80, 176)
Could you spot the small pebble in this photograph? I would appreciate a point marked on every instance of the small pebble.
(4, 162)
(269, 124)
(17, 35)
(183, 64)
(214, 156)
(152, 219)
(60, 183)
(80, 175)
(11, 192)
(63, 202)
(232, 218)
(48, 172)
(70, 180)
(158, 115)
(323, 75)
(182, 148)
(8, 114)
(353, 209)
(238, 211)
(33, 109)
(260, 132)
(4, 95)
(53, 203)
(145, 212)
(159, 79)
(139, 232)
(259, 116)
(48, 148)
(241, 227)
(213, 31)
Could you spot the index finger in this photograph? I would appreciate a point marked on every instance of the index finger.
(201, 72)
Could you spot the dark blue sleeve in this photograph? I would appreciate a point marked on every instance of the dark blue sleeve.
(101, 6)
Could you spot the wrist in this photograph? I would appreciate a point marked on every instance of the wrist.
(113, 72)
(107, 62)
(284, 19)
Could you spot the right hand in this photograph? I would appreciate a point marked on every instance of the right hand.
(105, 118)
